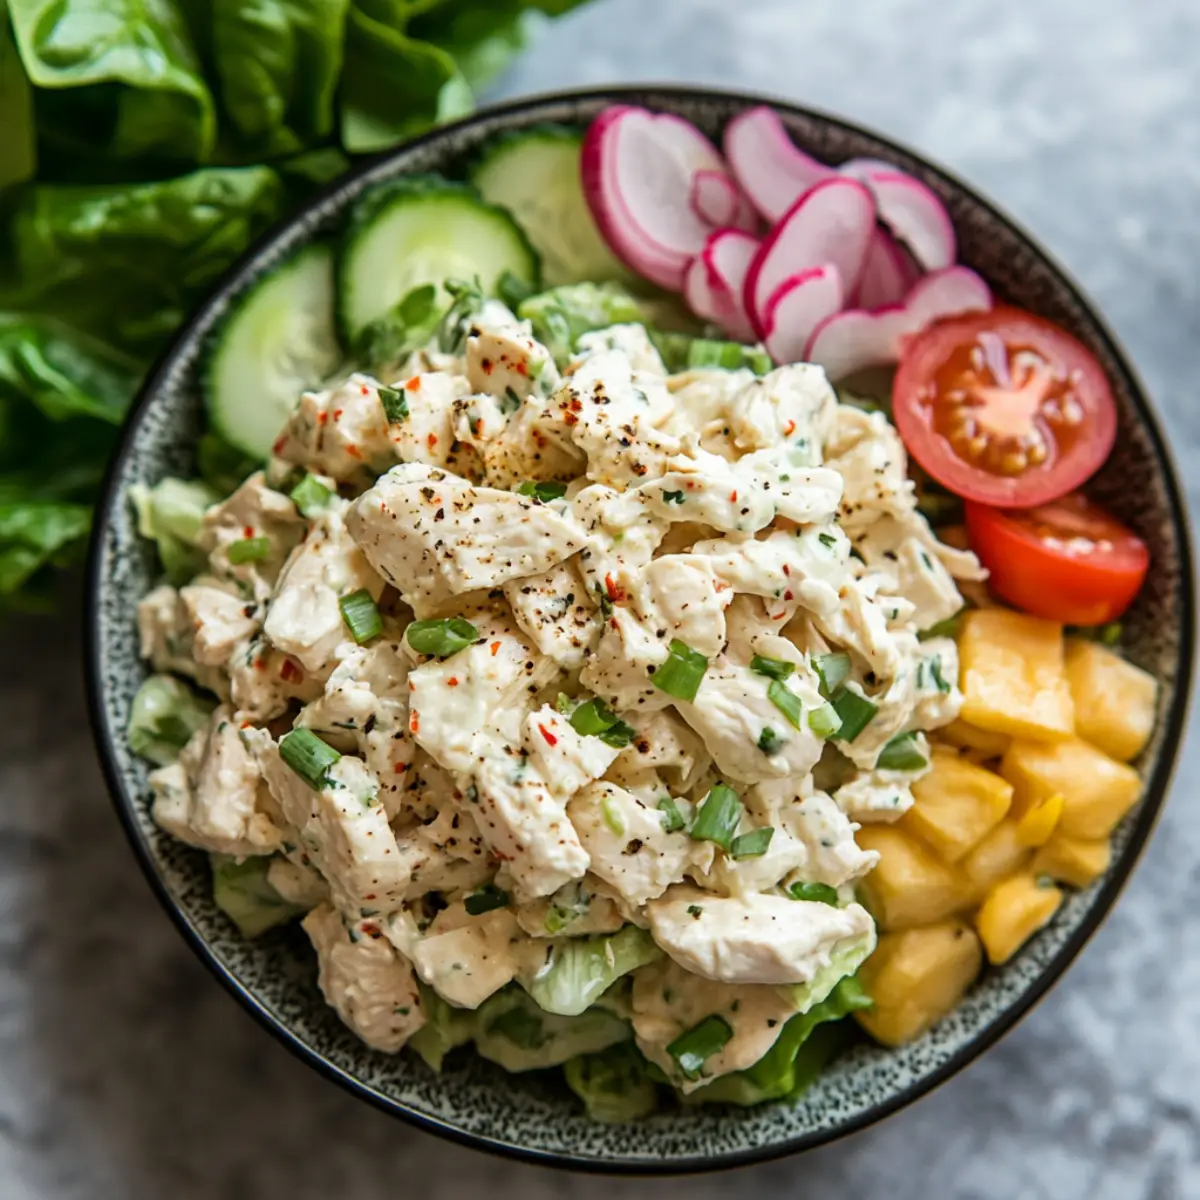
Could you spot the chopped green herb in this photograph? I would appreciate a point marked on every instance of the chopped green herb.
(902, 753)
(695, 911)
(417, 305)
(672, 497)
(786, 701)
(824, 721)
(815, 893)
(947, 628)
(718, 816)
(485, 900)
(772, 668)
(248, 550)
(595, 719)
(395, 405)
(935, 673)
(855, 713)
(308, 756)
(769, 742)
(361, 616)
(693, 1048)
(512, 289)
(606, 605)
(543, 490)
(681, 674)
(510, 402)
(753, 844)
(310, 496)
(673, 820)
(1106, 635)
(442, 636)
(831, 670)
(826, 539)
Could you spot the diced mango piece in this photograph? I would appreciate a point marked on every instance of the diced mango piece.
(997, 856)
(968, 737)
(910, 886)
(1012, 912)
(1076, 861)
(1012, 675)
(1097, 791)
(1114, 700)
(916, 978)
(956, 805)
(1036, 826)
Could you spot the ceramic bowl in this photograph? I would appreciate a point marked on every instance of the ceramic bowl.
(530, 1115)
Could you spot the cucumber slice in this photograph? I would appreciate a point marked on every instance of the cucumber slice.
(534, 173)
(275, 342)
(420, 230)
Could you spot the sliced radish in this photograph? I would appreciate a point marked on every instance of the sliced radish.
(770, 169)
(912, 211)
(714, 198)
(800, 304)
(637, 170)
(888, 275)
(831, 223)
(715, 278)
(854, 340)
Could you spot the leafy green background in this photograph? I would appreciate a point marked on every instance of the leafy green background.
(144, 144)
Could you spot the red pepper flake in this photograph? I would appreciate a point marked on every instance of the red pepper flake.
(495, 648)
(322, 417)
(615, 593)
(721, 587)
(354, 452)
(786, 569)
(789, 429)
(371, 929)
(733, 497)
(280, 443)
(551, 740)
(247, 725)
(452, 681)
(432, 440)
(337, 414)
(614, 624)
(414, 384)
(399, 769)
(366, 391)
(290, 671)
(414, 721)
(787, 595)
(479, 427)
(521, 368)
(539, 439)
(570, 419)
(248, 531)
(370, 897)
(260, 664)
(487, 365)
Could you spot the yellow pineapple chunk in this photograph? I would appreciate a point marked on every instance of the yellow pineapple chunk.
(1114, 700)
(1077, 861)
(956, 805)
(1012, 675)
(1097, 791)
(916, 978)
(1036, 826)
(1000, 854)
(910, 885)
(968, 737)
(1012, 912)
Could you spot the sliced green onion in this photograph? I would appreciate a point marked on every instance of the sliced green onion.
(673, 820)
(308, 756)
(681, 674)
(753, 844)
(564, 704)
(612, 815)
(815, 893)
(672, 497)
(947, 628)
(395, 405)
(693, 1048)
(718, 816)
(442, 636)
(855, 713)
(485, 899)
(934, 666)
(543, 490)
(251, 549)
(310, 496)
(361, 616)
(786, 701)
(902, 754)
(772, 668)
(824, 721)
(618, 735)
(729, 356)
(769, 742)
(831, 670)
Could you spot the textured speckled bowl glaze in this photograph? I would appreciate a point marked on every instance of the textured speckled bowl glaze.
(534, 1116)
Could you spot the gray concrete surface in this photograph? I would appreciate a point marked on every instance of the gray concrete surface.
(125, 1072)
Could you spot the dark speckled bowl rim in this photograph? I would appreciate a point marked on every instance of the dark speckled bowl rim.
(1157, 784)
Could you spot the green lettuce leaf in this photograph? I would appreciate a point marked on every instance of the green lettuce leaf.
(845, 960)
(36, 535)
(129, 262)
(242, 892)
(614, 1085)
(562, 315)
(18, 154)
(164, 715)
(445, 1028)
(278, 63)
(578, 971)
(121, 78)
(394, 86)
(171, 514)
(796, 1058)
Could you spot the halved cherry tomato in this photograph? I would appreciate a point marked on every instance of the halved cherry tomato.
(1004, 407)
(1068, 560)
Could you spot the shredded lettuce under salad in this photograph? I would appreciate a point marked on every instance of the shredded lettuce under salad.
(141, 154)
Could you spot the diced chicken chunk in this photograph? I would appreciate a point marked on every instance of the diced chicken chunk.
(505, 360)
(566, 760)
(166, 635)
(220, 621)
(556, 613)
(426, 432)
(466, 959)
